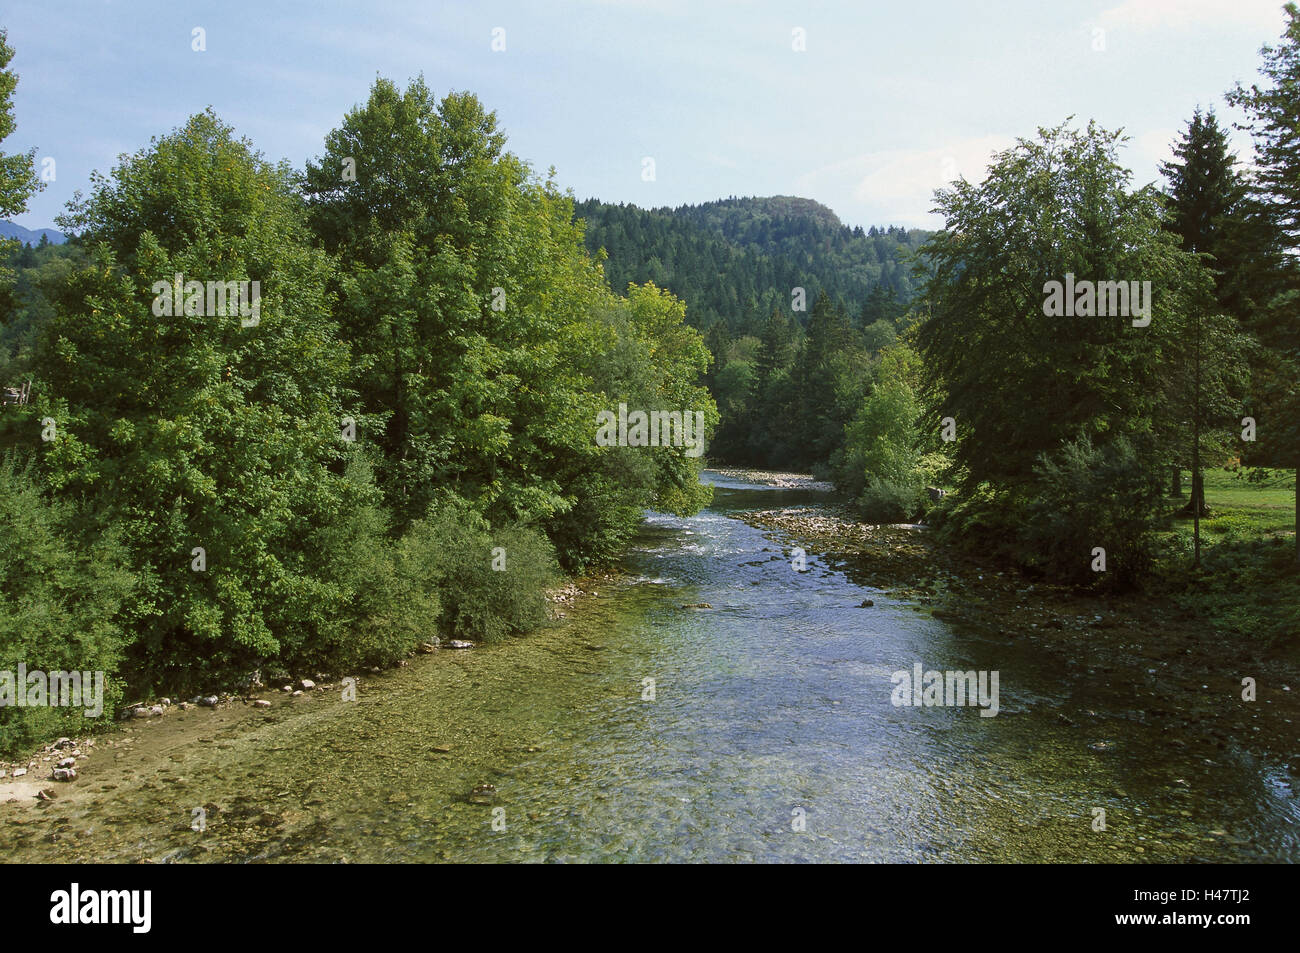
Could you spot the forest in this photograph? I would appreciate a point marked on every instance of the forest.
(403, 441)
(400, 445)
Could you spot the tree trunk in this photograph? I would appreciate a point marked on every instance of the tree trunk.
(1176, 483)
(1195, 506)
(1197, 503)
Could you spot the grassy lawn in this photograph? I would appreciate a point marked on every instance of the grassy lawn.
(1248, 584)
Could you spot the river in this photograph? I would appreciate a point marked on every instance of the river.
(770, 735)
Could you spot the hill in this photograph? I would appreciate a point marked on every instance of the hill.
(30, 236)
(737, 259)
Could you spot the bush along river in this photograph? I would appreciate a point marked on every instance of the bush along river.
(727, 697)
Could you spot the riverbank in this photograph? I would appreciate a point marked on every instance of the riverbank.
(637, 729)
(62, 767)
(286, 781)
(1185, 675)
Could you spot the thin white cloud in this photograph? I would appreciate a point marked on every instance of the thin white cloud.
(898, 185)
(1164, 14)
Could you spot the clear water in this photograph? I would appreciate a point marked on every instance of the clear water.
(771, 708)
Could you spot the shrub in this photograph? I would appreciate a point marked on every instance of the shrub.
(60, 596)
(457, 548)
(1088, 496)
(380, 597)
(884, 501)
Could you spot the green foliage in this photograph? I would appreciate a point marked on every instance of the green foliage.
(484, 333)
(380, 596)
(61, 587)
(880, 463)
(736, 260)
(193, 430)
(18, 179)
(1039, 398)
(735, 263)
(1094, 496)
(885, 501)
(1271, 109)
(457, 548)
(1051, 207)
(1248, 585)
(440, 303)
(984, 519)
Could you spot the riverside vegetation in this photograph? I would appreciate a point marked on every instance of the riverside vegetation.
(421, 283)
(1171, 445)
(401, 445)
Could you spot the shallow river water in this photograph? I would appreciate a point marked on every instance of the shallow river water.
(770, 736)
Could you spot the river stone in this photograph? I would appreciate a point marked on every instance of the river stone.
(67, 763)
(306, 684)
(261, 703)
(209, 701)
(460, 644)
(19, 772)
(62, 743)
(65, 774)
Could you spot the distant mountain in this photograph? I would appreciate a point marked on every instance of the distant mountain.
(30, 236)
(736, 259)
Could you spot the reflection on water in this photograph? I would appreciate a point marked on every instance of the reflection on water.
(771, 710)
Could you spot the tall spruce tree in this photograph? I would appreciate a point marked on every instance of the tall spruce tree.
(1272, 108)
(1210, 211)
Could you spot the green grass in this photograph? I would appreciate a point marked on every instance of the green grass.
(1248, 584)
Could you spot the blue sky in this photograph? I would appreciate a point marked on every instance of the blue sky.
(887, 101)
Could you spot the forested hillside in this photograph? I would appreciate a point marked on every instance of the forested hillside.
(735, 260)
(794, 305)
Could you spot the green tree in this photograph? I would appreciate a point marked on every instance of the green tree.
(881, 461)
(465, 292)
(18, 179)
(1271, 108)
(1021, 382)
(193, 427)
(1210, 209)
(62, 585)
